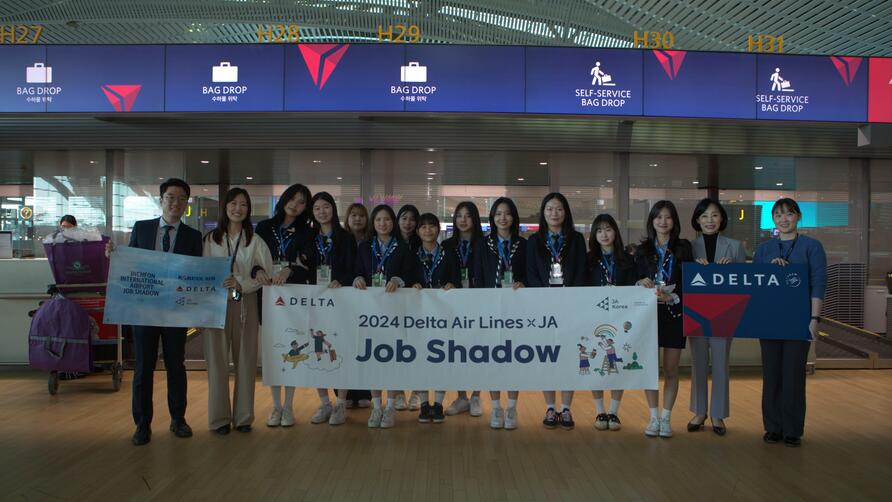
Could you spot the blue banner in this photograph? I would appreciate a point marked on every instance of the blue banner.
(151, 288)
(746, 300)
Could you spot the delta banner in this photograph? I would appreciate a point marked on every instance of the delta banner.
(526, 339)
(745, 300)
(151, 288)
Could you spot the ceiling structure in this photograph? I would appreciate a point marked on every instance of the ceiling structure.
(837, 27)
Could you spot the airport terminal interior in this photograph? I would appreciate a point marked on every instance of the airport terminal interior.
(614, 104)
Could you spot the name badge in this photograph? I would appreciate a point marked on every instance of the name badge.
(508, 279)
(465, 282)
(556, 275)
(378, 280)
(323, 274)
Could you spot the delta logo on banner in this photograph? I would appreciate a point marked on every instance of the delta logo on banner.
(122, 97)
(746, 301)
(847, 67)
(321, 60)
(670, 61)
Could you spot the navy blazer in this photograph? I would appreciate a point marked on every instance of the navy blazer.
(626, 273)
(452, 244)
(572, 261)
(266, 229)
(400, 263)
(488, 263)
(342, 258)
(145, 235)
(447, 271)
(646, 262)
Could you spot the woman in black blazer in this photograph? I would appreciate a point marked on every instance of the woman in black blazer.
(466, 244)
(502, 264)
(384, 261)
(608, 264)
(286, 235)
(330, 256)
(556, 258)
(659, 259)
(407, 221)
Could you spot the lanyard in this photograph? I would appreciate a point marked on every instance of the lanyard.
(665, 263)
(232, 253)
(324, 243)
(505, 254)
(464, 252)
(555, 248)
(282, 242)
(381, 257)
(609, 267)
(780, 249)
(430, 263)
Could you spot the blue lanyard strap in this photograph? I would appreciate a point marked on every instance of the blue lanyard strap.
(505, 254)
(555, 244)
(666, 259)
(464, 252)
(381, 257)
(608, 265)
(324, 243)
(283, 243)
(780, 249)
(430, 263)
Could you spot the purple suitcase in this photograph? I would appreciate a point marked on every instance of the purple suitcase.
(59, 339)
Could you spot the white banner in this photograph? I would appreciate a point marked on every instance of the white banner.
(480, 339)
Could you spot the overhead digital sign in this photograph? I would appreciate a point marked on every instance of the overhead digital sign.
(25, 80)
(879, 109)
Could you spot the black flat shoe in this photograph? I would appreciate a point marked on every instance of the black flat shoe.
(692, 427)
(180, 429)
(771, 437)
(719, 429)
(792, 442)
(223, 429)
(243, 428)
(142, 435)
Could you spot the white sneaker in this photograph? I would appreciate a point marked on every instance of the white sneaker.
(400, 402)
(389, 418)
(497, 418)
(653, 428)
(510, 418)
(460, 405)
(275, 418)
(287, 417)
(476, 409)
(323, 413)
(364, 403)
(375, 418)
(339, 415)
(414, 401)
(665, 428)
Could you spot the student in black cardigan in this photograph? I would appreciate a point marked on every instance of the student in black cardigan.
(356, 221)
(608, 264)
(330, 256)
(466, 243)
(659, 258)
(384, 261)
(407, 220)
(285, 234)
(556, 258)
(436, 269)
(502, 264)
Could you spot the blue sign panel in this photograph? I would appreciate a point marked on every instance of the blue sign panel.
(745, 300)
(826, 88)
(224, 78)
(107, 78)
(699, 84)
(583, 81)
(341, 77)
(449, 78)
(25, 81)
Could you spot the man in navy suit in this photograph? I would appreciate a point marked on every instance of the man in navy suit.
(167, 234)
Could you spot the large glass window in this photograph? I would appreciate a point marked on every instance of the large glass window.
(662, 177)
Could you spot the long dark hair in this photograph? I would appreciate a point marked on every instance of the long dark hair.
(303, 219)
(223, 220)
(476, 227)
(357, 206)
(337, 232)
(594, 249)
(515, 217)
(567, 228)
(395, 232)
(649, 244)
(413, 240)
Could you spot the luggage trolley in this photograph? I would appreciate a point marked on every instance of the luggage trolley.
(81, 271)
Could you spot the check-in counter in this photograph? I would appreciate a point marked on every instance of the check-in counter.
(23, 286)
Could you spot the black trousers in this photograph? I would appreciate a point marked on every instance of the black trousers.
(783, 386)
(145, 348)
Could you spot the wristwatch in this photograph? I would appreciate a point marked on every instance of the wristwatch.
(815, 318)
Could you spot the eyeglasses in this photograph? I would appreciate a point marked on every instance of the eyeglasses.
(170, 199)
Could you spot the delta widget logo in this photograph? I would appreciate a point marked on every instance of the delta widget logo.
(122, 97)
(280, 302)
(713, 314)
(321, 60)
(847, 67)
(670, 61)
